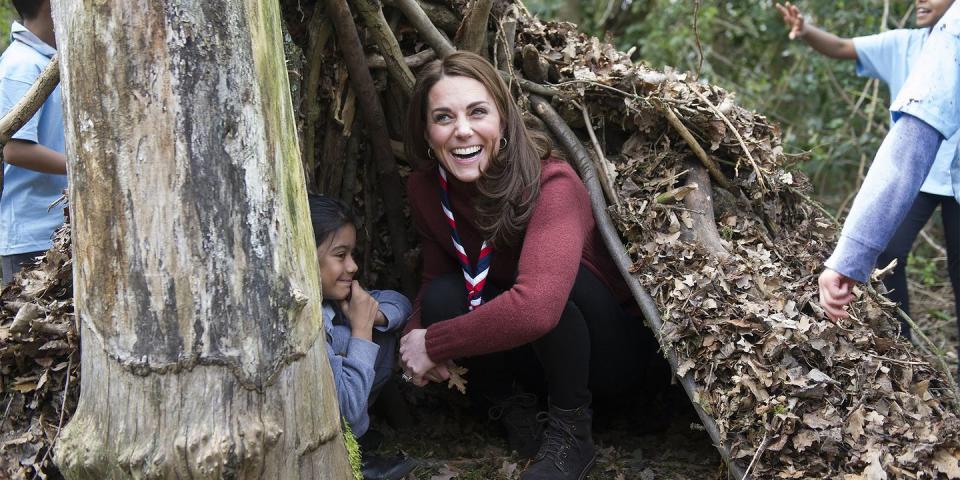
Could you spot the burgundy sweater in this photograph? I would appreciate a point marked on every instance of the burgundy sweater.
(561, 235)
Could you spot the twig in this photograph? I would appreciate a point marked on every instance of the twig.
(373, 119)
(601, 161)
(932, 349)
(894, 360)
(416, 60)
(696, 36)
(712, 167)
(63, 407)
(743, 144)
(24, 110)
(377, 25)
(760, 449)
(472, 34)
(428, 31)
(615, 246)
(933, 244)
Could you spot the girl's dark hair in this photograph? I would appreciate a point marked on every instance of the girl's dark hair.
(510, 184)
(327, 215)
(27, 9)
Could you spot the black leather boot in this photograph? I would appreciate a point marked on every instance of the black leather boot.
(376, 467)
(518, 415)
(567, 451)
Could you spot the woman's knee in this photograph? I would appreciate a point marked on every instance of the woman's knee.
(443, 298)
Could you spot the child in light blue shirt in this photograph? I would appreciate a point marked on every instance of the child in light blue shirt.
(34, 172)
(890, 56)
(361, 328)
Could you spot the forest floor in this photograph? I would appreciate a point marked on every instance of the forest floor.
(451, 441)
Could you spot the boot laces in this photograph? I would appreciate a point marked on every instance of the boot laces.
(558, 439)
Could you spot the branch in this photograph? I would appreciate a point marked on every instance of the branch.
(700, 199)
(428, 31)
(606, 179)
(472, 34)
(439, 15)
(695, 146)
(376, 23)
(320, 31)
(416, 60)
(534, 66)
(24, 110)
(529, 86)
(373, 118)
(615, 246)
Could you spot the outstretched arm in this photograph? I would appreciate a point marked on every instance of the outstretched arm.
(822, 41)
(902, 163)
(34, 156)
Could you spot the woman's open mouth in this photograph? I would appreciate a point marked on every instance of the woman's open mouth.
(466, 153)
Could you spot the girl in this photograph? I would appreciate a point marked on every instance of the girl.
(361, 327)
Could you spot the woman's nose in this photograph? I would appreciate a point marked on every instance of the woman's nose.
(351, 265)
(464, 128)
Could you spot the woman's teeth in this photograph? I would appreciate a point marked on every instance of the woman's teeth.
(466, 152)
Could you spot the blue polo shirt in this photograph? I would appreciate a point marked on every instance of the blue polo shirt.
(932, 92)
(26, 225)
(889, 56)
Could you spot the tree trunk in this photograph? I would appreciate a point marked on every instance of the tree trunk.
(196, 281)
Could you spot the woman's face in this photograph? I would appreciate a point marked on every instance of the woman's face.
(337, 266)
(463, 126)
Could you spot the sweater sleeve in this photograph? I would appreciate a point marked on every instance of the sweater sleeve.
(549, 260)
(353, 377)
(395, 307)
(888, 191)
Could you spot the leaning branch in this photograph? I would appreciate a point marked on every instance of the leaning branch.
(373, 18)
(428, 31)
(31, 102)
(614, 245)
(373, 118)
(472, 34)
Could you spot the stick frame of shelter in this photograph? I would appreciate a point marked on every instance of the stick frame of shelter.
(611, 239)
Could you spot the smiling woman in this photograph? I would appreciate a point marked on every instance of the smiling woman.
(517, 284)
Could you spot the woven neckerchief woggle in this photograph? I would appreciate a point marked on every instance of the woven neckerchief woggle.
(474, 277)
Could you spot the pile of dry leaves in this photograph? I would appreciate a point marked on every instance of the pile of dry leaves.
(39, 362)
(793, 394)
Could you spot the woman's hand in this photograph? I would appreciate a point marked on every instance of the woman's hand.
(793, 18)
(413, 356)
(361, 310)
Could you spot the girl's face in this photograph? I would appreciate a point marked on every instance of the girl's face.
(337, 266)
(463, 126)
(930, 11)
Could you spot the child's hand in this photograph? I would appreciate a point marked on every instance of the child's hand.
(361, 310)
(793, 18)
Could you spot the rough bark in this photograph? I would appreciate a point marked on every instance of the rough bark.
(376, 23)
(195, 278)
(472, 34)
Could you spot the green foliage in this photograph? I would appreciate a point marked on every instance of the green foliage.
(353, 450)
(925, 269)
(745, 49)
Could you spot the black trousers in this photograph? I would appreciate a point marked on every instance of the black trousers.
(596, 347)
(902, 242)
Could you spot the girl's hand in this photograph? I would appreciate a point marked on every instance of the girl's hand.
(361, 310)
(793, 18)
(413, 356)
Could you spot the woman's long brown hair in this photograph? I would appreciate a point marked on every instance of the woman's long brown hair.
(509, 185)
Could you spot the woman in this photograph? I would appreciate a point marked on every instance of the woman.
(516, 280)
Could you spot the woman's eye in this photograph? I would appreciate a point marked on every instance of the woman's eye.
(479, 112)
(441, 118)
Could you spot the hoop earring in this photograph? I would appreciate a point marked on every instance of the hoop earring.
(430, 154)
(503, 142)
